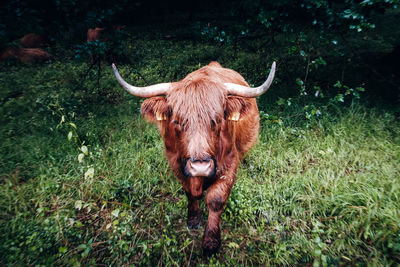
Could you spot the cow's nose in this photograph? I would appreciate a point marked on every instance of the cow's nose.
(200, 167)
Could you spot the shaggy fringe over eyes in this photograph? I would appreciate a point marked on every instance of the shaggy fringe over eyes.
(197, 103)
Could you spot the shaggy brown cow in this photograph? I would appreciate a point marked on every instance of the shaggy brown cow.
(30, 55)
(10, 53)
(103, 34)
(208, 121)
(32, 40)
(95, 34)
(25, 55)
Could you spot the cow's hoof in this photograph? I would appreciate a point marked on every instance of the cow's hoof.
(211, 242)
(210, 248)
(193, 226)
(194, 222)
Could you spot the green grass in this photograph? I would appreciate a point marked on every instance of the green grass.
(326, 193)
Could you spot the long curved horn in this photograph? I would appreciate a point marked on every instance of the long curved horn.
(148, 91)
(240, 90)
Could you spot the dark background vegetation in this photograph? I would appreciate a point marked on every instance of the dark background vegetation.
(83, 179)
(359, 40)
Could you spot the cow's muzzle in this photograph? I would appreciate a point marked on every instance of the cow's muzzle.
(194, 167)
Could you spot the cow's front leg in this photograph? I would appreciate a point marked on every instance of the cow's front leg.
(194, 214)
(194, 190)
(217, 196)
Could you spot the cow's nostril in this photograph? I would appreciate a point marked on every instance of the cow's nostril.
(194, 160)
(199, 167)
(206, 159)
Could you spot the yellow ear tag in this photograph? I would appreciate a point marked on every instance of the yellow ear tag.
(234, 116)
(160, 116)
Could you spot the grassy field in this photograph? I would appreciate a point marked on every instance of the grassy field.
(84, 180)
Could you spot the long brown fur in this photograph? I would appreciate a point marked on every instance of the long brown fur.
(197, 111)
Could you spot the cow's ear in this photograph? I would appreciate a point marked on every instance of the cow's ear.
(236, 107)
(155, 109)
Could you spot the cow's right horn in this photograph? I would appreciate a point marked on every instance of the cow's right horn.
(148, 91)
(240, 90)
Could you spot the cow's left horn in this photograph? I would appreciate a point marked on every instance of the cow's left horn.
(240, 90)
(148, 91)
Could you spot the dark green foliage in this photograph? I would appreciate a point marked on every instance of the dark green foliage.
(110, 47)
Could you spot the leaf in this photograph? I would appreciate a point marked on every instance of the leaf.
(317, 252)
(72, 124)
(78, 204)
(78, 224)
(299, 82)
(84, 149)
(89, 173)
(62, 249)
(69, 136)
(86, 252)
(81, 247)
(324, 260)
(280, 102)
(233, 245)
(337, 84)
(115, 212)
(80, 157)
